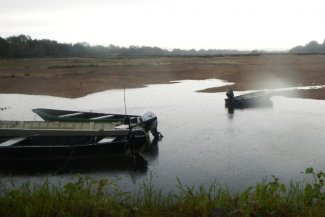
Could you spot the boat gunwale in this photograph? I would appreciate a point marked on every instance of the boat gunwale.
(48, 117)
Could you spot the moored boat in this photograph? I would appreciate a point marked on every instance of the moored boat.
(37, 147)
(147, 121)
(246, 99)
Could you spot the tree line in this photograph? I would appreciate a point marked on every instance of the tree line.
(311, 47)
(24, 46)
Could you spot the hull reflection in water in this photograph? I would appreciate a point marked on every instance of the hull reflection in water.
(120, 164)
(150, 149)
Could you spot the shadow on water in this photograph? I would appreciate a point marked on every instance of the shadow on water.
(260, 104)
(29, 167)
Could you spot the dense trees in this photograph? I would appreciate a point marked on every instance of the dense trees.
(4, 47)
(24, 46)
(19, 46)
(311, 47)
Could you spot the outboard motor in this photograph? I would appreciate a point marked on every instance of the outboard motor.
(137, 139)
(231, 98)
(230, 94)
(149, 120)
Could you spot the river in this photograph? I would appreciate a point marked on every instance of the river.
(202, 141)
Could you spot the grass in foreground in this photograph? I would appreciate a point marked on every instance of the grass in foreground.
(87, 197)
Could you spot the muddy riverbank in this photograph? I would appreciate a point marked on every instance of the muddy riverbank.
(78, 77)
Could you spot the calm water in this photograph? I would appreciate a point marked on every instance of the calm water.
(202, 141)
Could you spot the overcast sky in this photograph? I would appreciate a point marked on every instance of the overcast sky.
(168, 24)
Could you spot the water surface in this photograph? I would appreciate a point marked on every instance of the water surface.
(202, 141)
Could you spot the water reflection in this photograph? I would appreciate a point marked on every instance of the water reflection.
(60, 167)
(151, 148)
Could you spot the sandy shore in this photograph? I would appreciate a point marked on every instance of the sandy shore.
(77, 77)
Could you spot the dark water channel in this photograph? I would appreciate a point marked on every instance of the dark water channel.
(202, 141)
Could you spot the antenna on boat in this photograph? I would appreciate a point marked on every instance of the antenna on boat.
(124, 101)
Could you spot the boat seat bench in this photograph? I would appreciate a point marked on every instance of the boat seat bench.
(71, 115)
(102, 117)
(12, 141)
(106, 139)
